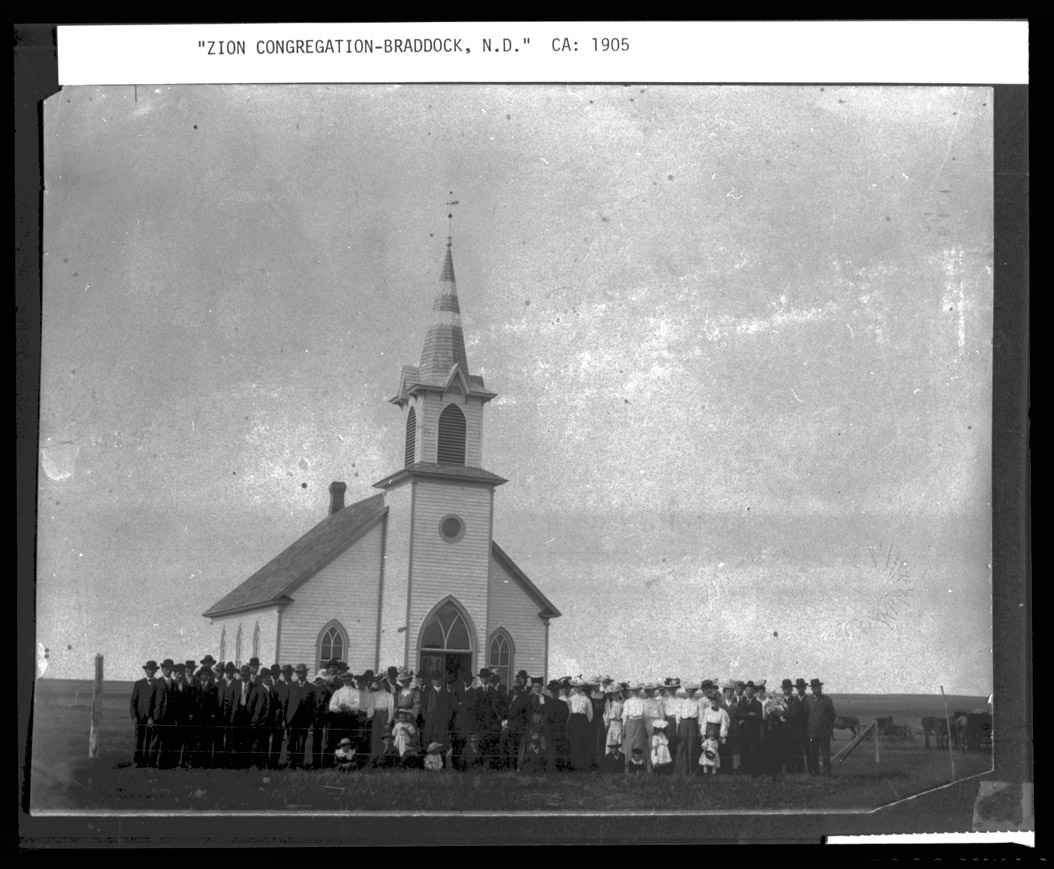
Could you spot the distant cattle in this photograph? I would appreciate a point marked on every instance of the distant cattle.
(938, 727)
(883, 723)
(847, 722)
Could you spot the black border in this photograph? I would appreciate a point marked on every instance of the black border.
(947, 809)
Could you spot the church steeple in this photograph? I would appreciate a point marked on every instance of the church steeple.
(443, 400)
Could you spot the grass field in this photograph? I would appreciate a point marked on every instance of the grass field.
(64, 779)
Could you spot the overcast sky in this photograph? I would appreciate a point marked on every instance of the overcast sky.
(741, 340)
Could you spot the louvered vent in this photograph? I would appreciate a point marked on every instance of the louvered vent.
(451, 436)
(411, 437)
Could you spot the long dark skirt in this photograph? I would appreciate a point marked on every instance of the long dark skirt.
(635, 736)
(686, 749)
(379, 731)
(578, 735)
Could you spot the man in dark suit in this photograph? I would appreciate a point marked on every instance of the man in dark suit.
(323, 691)
(161, 736)
(820, 716)
(144, 694)
(299, 715)
(748, 730)
(181, 705)
(279, 699)
(207, 717)
(259, 710)
(518, 718)
(229, 691)
(436, 712)
(466, 710)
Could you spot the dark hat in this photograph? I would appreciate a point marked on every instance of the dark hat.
(208, 661)
(553, 685)
(786, 683)
(392, 673)
(707, 684)
(450, 678)
(436, 676)
(815, 683)
(245, 671)
(275, 669)
(301, 668)
(369, 674)
(205, 671)
(522, 674)
(150, 665)
(484, 673)
(750, 685)
(167, 663)
(287, 669)
(179, 668)
(800, 683)
(254, 661)
(347, 677)
(190, 665)
(229, 667)
(740, 683)
(344, 741)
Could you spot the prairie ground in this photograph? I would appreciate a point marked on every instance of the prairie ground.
(64, 780)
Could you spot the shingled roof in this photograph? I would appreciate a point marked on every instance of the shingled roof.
(442, 472)
(283, 574)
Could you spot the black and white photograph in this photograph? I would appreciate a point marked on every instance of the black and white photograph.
(599, 448)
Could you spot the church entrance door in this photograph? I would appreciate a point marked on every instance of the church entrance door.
(446, 644)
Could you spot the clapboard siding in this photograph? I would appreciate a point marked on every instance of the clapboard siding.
(346, 590)
(511, 608)
(399, 500)
(267, 619)
(458, 569)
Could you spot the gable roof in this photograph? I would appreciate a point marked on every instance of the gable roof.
(549, 610)
(305, 557)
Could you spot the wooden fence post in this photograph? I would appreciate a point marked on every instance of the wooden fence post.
(876, 743)
(96, 710)
(948, 724)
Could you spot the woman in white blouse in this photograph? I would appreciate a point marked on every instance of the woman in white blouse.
(635, 735)
(578, 729)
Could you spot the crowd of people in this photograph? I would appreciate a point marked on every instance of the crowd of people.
(218, 715)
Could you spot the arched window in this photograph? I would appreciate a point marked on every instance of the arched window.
(411, 436)
(256, 641)
(500, 655)
(445, 644)
(223, 644)
(332, 643)
(238, 647)
(451, 436)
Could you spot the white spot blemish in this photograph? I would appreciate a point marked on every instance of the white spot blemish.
(796, 396)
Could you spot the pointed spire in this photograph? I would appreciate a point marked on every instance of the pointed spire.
(445, 341)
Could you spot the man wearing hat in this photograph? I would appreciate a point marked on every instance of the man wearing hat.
(279, 699)
(258, 710)
(466, 710)
(181, 702)
(145, 699)
(207, 716)
(321, 730)
(254, 669)
(820, 716)
(227, 688)
(748, 731)
(436, 711)
(299, 715)
(161, 737)
(240, 725)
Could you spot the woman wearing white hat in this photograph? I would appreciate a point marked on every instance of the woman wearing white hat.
(635, 736)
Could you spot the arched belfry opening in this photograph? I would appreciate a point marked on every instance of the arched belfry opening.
(411, 437)
(452, 428)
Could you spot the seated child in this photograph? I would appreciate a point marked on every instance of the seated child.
(434, 757)
(344, 757)
(533, 757)
(637, 763)
(473, 758)
(614, 760)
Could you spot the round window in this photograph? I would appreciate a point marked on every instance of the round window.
(451, 528)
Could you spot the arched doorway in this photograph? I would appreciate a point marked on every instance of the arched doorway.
(445, 645)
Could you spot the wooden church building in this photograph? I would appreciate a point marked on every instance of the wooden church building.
(410, 576)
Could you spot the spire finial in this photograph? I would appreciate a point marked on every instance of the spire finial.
(450, 221)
